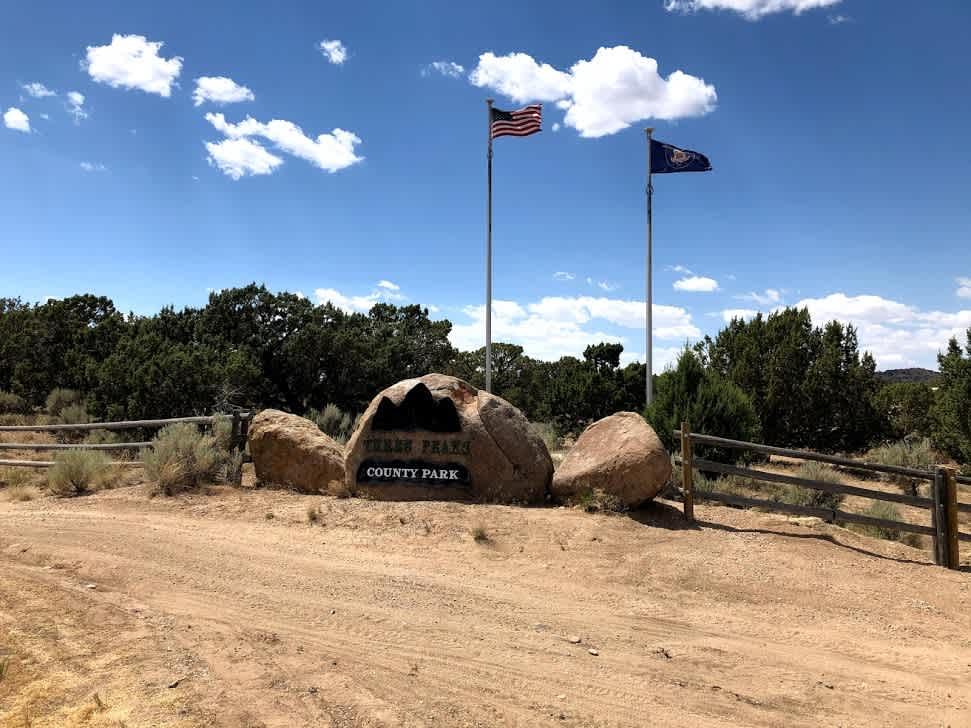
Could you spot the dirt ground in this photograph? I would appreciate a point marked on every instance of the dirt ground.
(232, 609)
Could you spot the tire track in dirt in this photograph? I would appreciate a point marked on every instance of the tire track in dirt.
(431, 629)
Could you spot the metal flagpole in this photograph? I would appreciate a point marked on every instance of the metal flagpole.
(488, 348)
(648, 331)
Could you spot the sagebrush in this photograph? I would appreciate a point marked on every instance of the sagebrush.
(11, 404)
(907, 453)
(888, 512)
(182, 457)
(546, 431)
(61, 398)
(333, 422)
(77, 472)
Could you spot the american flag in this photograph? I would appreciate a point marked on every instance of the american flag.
(522, 122)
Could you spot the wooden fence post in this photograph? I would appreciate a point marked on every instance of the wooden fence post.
(939, 516)
(238, 444)
(953, 560)
(687, 473)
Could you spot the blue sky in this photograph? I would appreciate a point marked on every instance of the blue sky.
(339, 151)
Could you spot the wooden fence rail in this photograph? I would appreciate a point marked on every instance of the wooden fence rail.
(238, 436)
(943, 505)
(125, 425)
(81, 446)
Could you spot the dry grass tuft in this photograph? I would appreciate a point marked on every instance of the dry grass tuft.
(480, 535)
(338, 489)
(313, 514)
(594, 500)
(21, 493)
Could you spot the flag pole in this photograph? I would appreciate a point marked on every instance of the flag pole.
(488, 347)
(648, 330)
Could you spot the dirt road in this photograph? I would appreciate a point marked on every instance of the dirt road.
(232, 610)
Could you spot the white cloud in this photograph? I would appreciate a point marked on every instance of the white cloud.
(895, 333)
(133, 62)
(603, 95)
(521, 78)
(770, 296)
(964, 287)
(360, 304)
(334, 51)
(240, 157)
(680, 269)
(696, 284)
(556, 126)
(45, 116)
(562, 275)
(332, 152)
(93, 167)
(75, 106)
(37, 90)
(14, 118)
(732, 313)
(750, 9)
(838, 19)
(446, 68)
(607, 286)
(219, 90)
(563, 326)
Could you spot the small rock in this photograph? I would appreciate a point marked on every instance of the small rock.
(561, 697)
(90, 586)
(593, 652)
(333, 611)
(574, 640)
(175, 683)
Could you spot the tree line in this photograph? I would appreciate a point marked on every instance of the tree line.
(776, 378)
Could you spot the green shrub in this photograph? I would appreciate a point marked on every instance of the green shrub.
(799, 496)
(709, 402)
(75, 414)
(333, 422)
(14, 476)
(11, 404)
(888, 512)
(222, 432)
(181, 457)
(546, 431)
(907, 453)
(906, 408)
(61, 398)
(11, 419)
(77, 472)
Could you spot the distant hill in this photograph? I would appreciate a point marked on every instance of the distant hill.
(914, 374)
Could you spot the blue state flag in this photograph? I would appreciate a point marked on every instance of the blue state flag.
(666, 158)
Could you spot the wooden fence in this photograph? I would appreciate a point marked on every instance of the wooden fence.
(240, 429)
(943, 504)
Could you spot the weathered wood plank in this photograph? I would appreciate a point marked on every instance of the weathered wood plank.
(824, 513)
(80, 446)
(708, 465)
(50, 463)
(125, 425)
(807, 455)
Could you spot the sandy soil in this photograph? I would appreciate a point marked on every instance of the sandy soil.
(230, 609)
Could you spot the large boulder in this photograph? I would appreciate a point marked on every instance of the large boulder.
(437, 437)
(292, 451)
(620, 455)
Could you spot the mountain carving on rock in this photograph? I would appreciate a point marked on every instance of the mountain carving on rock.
(417, 411)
